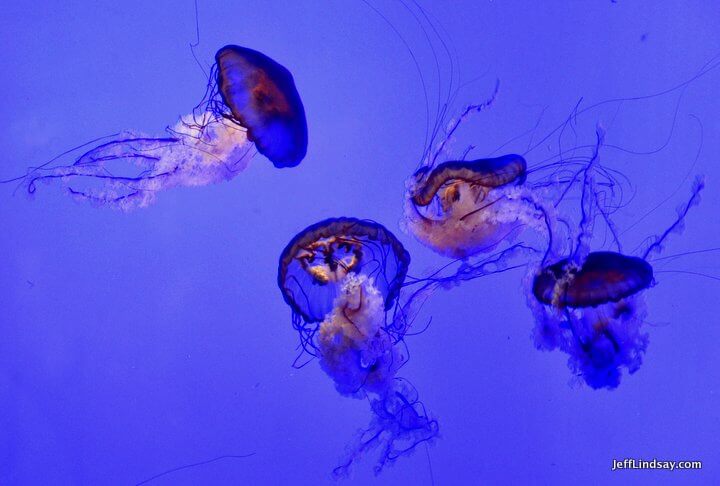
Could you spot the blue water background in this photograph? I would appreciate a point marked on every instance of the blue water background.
(134, 343)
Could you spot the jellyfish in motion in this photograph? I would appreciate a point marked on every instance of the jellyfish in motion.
(596, 314)
(250, 104)
(461, 208)
(591, 304)
(261, 96)
(342, 278)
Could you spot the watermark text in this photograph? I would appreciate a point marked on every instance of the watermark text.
(629, 463)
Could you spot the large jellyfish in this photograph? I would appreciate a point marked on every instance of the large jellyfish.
(591, 305)
(251, 103)
(341, 277)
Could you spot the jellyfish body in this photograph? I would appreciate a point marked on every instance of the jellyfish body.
(342, 278)
(354, 349)
(314, 264)
(251, 103)
(594, 312)
(262, 97)
(462, 208)
(591, 305)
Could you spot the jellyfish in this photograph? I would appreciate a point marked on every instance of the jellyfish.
(591, 304)
(251, 104)
(461, 208)
(342, 277)
(596, 314)
(261, 97)
(461, 205)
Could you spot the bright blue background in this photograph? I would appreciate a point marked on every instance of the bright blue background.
(158, 338)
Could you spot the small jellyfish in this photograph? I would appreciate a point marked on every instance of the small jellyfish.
(591, 306)
(342, 278)
(251, 103)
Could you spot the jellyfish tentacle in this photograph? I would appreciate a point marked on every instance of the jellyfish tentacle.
(677, 225)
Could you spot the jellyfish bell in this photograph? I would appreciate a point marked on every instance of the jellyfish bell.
(481, 173)
(602, 277)
(262, 97)
(315, 263)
